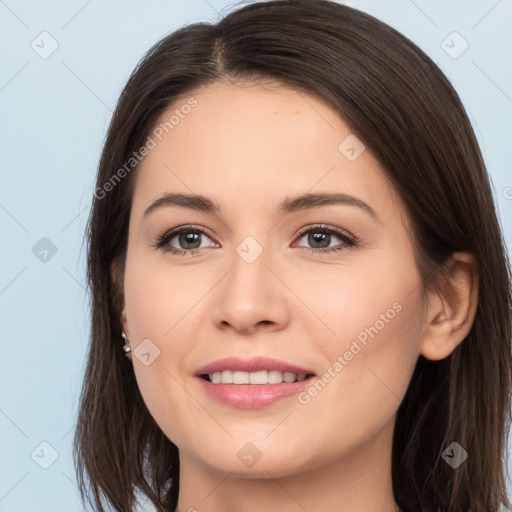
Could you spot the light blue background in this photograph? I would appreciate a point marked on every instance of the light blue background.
(54, 114)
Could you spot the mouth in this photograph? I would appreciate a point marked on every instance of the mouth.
(252, 383)
(259, 378)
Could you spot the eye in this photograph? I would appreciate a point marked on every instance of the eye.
(321, 236)
(188, 239)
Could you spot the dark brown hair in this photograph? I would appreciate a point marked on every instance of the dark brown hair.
(398, 102)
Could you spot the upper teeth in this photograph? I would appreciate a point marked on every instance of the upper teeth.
(261, 377)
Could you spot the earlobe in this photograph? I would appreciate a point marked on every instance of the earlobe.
(124, 334)
(127, 349)
(451, 310)
(124, 323)
(117, 275)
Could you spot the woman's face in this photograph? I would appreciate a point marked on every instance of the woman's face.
(326, 285)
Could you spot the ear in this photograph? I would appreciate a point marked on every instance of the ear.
(451, 310)
(116, 274)
(124, 324)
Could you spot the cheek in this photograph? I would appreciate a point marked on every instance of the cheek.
(360, 299)
(377, 317)
(370, 365)
(161, 306)
(379, 326)
(361, 389)
(158, 298)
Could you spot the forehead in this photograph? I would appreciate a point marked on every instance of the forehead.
(254, 141)
(240, 120)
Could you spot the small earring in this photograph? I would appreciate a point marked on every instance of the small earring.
(126, 347)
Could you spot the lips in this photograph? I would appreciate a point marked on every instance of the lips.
(252, 396)
(254, 364)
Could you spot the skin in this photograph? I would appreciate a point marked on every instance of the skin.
(247, 147)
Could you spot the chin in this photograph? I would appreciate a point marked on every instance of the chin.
(262, 466)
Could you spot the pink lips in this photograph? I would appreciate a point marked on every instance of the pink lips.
(251, 396)
(254, 364)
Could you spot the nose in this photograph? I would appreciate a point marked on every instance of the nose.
(251, 298)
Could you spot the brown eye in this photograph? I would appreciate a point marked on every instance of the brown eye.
(185, 239)
(320, 238)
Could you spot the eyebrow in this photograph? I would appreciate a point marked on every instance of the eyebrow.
(288, 205)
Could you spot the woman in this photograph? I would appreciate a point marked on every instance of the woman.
(300, 295)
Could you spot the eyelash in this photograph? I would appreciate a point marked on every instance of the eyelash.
(348, 241)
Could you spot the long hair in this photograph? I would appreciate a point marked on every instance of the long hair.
(404, 109)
